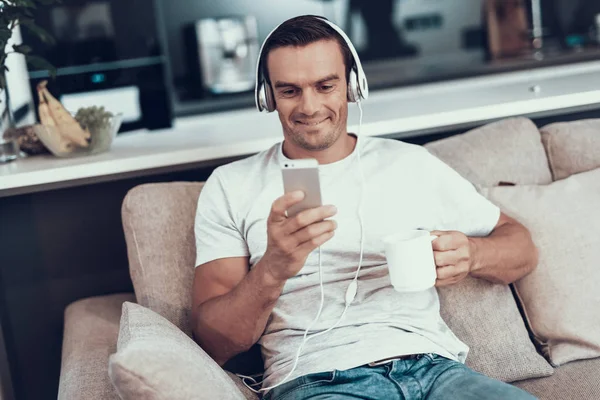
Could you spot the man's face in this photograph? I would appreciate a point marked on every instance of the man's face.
(309, 86)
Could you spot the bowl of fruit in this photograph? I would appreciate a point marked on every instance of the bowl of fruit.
(89, 130)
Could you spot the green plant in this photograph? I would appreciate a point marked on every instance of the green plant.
(21, 12)
(93, 118)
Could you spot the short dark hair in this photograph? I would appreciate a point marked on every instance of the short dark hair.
(302, 31)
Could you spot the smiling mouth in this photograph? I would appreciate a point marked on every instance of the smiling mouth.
(311, 123)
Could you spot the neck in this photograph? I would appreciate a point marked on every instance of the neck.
(341, 149)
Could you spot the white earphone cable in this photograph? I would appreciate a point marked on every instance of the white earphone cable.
(350, 291)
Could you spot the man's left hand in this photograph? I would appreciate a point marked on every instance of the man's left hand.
(452, 251)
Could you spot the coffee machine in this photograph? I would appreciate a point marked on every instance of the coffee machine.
(225, 53)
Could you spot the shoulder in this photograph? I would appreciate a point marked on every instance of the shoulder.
(411, 162)
(241, 173)
(228, 186)
(397, 151)
(371, 143)
(231, 184)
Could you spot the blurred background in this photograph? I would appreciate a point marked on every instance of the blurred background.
(160, 59)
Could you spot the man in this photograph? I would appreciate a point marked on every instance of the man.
(257, 274)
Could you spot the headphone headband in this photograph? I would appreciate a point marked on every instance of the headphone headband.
(357, 81)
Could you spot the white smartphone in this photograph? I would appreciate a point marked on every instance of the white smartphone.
(302, 175)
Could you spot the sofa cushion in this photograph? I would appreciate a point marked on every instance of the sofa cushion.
(572, 147)
(156, 360)
(158, 220)
(485, 316)
(560, 298)
(578, 380)
(509, 150)
(90, 337)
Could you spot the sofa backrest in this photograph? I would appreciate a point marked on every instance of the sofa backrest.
(572, 147)
(158, 220)
(509, 150)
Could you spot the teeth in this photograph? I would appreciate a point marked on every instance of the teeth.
(310, 123)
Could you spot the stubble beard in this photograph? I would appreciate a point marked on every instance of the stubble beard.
(327, 139)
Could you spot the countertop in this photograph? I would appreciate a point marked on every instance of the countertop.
(398, 113)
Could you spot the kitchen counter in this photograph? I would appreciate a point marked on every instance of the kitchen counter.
(398, 113)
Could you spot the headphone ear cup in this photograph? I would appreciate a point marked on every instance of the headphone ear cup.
(353, 95)
(270, 100)
(262, 102)
(265, 98)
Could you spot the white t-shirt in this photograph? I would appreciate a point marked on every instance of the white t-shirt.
(405, 188)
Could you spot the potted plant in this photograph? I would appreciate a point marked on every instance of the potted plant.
(13, 14)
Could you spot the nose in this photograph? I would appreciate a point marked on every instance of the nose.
(309, 103)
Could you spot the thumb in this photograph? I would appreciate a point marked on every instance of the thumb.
(436, 233)
(280, 206)
(435, 237)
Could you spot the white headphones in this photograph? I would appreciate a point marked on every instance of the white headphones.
(357, 81)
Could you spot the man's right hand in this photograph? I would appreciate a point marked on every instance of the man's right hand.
(292, 239)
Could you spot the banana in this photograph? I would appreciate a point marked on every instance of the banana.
(43, 110)
(65, 123)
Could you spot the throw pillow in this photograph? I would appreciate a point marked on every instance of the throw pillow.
(485, 317)
(572, 147)
(561, 297)
(509, 150)
(156, 360)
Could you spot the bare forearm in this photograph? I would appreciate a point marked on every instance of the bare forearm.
(504, 256)
(230, 324)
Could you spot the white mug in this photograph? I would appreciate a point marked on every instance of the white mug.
(410, 260)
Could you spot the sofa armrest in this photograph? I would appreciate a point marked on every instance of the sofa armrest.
(90, 336)
(156, 360)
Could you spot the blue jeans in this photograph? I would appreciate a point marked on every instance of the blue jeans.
(428, 376)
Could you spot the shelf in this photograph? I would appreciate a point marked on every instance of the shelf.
(398, 73)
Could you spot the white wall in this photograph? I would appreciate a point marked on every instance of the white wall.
(18, 79)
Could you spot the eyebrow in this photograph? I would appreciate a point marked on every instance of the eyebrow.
(330, 77)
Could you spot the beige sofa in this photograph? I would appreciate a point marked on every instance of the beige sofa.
(156, 359)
